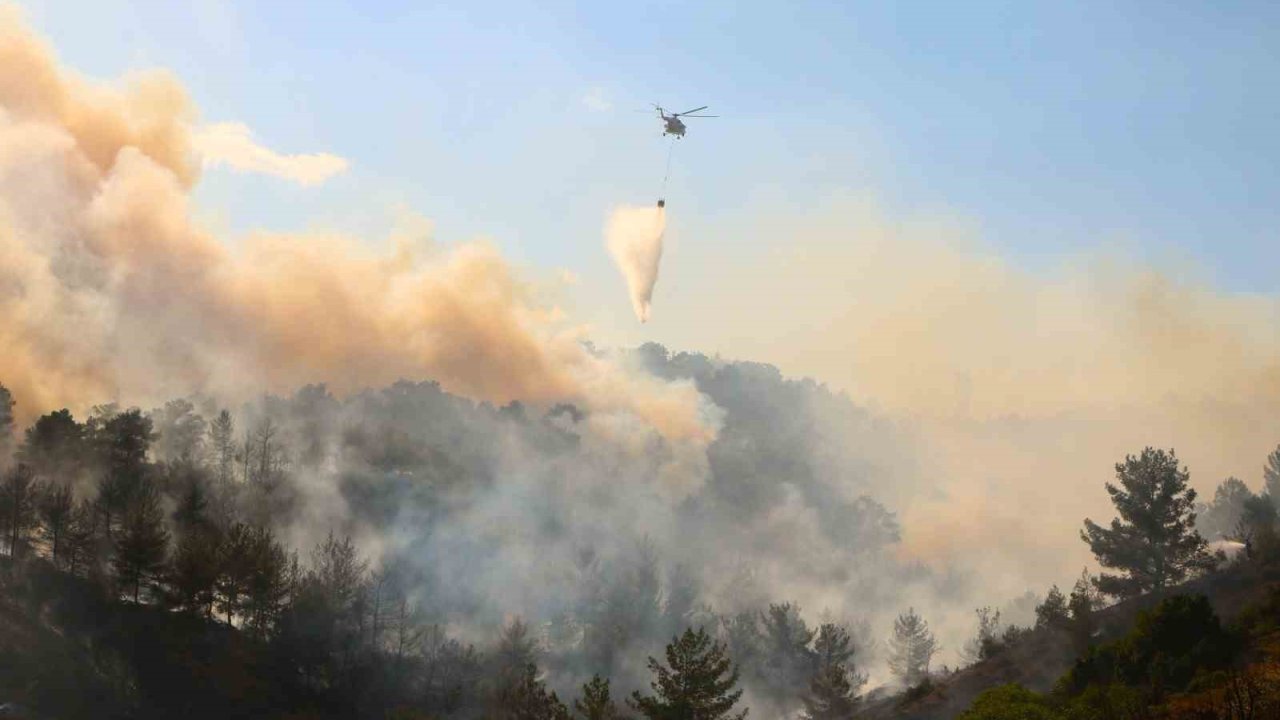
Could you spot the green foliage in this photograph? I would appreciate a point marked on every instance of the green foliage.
(1010, 702)
(1167, 647)
(1111, 701)
(1153, 543)
(1053, 612)
(697, 683)
(595, 703)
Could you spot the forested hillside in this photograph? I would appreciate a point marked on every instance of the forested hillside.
(406, 548)
(405, 553)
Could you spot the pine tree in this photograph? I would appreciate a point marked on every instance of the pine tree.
(833, 646)
(18, 494)
(192, 512)
(1271, 477)
(54, 446)
(1153, 543)
(56, 507)
(831, 695)
(122, 440)
(836, 684)
(743, 642)
(788, 663)
(911, 649)
(81, 540)
(1081, 605)
(142, 544)
(180, 432)
(527, 699)
(595, 703)
(696, 684)
(1053, 612)
(274, 572)
(1256, 521)
(516, 649)
(1220, 517)
(222, 444)
(194, 573)
(6, 423)
(986, 643)
(235, 571)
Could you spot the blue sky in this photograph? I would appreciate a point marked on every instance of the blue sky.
(1055, 127)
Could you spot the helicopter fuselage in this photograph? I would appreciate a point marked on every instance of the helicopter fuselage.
(674, 126)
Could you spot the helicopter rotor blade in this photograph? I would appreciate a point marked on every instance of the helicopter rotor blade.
(686, 112)
(699, 116)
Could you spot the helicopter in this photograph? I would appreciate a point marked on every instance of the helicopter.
(674, 125)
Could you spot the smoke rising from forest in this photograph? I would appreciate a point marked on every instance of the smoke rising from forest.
(1025, 386)
(111, 291)
(634, 237)
(672, 476)
(615, 481)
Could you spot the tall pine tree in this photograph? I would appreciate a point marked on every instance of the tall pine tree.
(1271, 477)
(18, 494)
(831, 695)
(142, 544)
(595, 703)
(6, 424)
(787, 662)
(1153, 544)
(527, 698)
(56, 507)
(911, 649)
(194, 572)
(697, 683)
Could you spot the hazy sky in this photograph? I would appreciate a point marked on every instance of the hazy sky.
(1054, 129)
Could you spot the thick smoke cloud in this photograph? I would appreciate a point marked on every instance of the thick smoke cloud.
(1026, 386)
(108, 289)
(634, 236)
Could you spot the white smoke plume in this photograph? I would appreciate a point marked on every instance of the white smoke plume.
(232, 144)
(634, 236)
